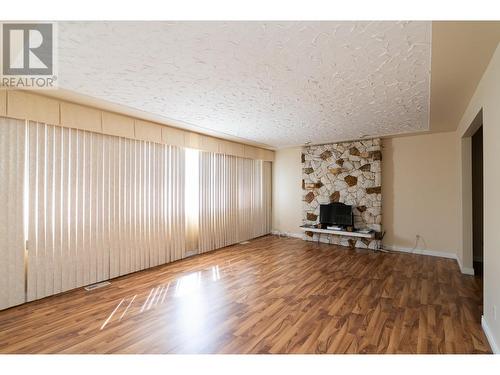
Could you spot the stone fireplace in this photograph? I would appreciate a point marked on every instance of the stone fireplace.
(347, 172)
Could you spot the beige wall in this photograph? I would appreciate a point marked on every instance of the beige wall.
(487, 98)
(287, 191)
(28, 106)
(420, 193)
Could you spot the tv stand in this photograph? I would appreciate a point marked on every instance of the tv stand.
(311, 228)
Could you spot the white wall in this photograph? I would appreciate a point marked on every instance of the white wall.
(487, 98)
(287, 191)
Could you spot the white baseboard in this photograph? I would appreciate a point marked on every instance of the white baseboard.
(489, 336)
(465, 270)
(433, 253)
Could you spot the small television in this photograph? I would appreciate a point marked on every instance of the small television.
(336, 214)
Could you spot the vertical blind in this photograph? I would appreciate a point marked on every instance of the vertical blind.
(99, 207)
(82, 207)
(235, 200)
(218, 220)
(254, 198)
(12, 155)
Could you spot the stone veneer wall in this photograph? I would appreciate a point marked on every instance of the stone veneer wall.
(348, 172)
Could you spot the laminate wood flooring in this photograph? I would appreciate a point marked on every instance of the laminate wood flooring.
(273, 295)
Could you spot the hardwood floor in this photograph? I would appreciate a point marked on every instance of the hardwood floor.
(273, 295)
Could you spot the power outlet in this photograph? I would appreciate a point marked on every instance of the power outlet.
(495, 312)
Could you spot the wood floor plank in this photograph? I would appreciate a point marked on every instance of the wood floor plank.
(273, 295)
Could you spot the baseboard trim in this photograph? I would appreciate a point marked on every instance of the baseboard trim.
(489, 335)
(465, 270)
(433, 253)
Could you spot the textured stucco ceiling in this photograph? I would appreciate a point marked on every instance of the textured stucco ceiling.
(274, 83)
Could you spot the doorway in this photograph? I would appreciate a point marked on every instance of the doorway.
(477, 201)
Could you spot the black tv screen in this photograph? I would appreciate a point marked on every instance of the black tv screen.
(336, 214)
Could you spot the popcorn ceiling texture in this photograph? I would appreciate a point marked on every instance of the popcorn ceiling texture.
(275, 83)
(349, 173)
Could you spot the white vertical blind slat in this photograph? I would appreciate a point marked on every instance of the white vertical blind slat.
(58, 207)
(72, 261)
(41, 212)
(97, 199)
(87, 250)
(80, 213)
(32, 231)
(50, 213)
(135, 261)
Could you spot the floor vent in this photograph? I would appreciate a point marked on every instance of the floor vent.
(96, 285)
(244, 242)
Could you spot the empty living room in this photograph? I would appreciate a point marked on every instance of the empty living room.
(213, 179)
